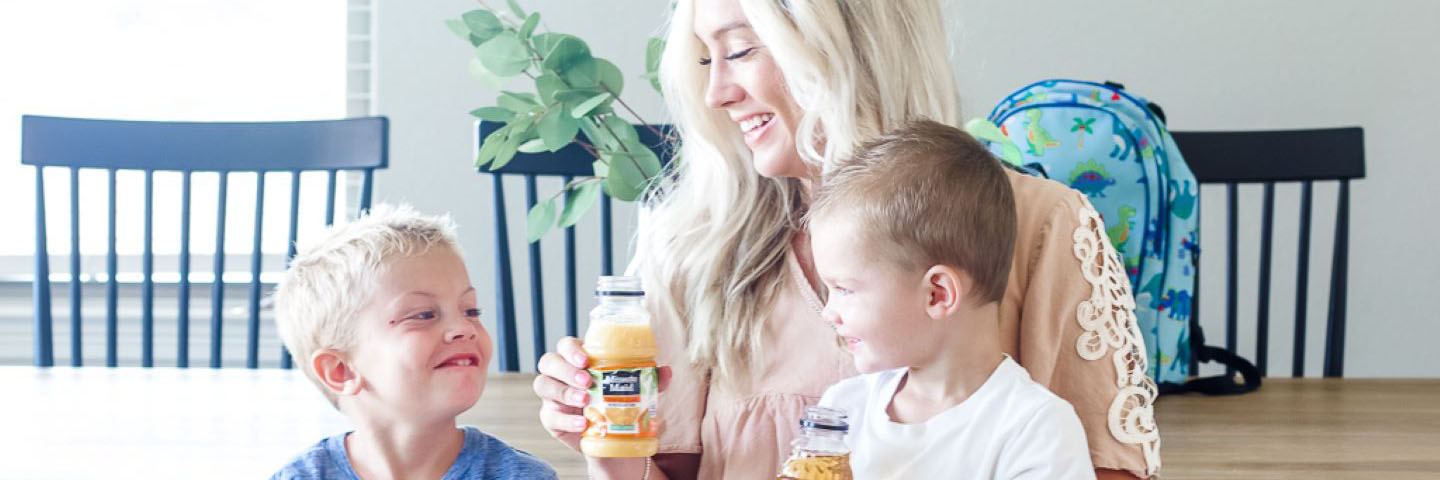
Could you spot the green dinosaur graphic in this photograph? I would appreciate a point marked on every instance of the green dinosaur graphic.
(1121, 231)
(1035, 136)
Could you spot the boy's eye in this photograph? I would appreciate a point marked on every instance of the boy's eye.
(427, 315)
(473, 313)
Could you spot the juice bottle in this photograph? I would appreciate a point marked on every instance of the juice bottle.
(820, 452)
(621, 347)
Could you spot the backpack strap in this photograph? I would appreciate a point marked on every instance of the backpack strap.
(1218, 384)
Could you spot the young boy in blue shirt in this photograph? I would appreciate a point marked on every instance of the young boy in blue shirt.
(381, 316)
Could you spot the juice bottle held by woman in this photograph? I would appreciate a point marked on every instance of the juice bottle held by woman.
(820, 452)
(624, 386)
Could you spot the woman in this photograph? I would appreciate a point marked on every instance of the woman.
(765, 93)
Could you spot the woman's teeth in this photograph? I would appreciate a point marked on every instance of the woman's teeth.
(755, 122)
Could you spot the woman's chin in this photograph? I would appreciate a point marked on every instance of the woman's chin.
(773, 164)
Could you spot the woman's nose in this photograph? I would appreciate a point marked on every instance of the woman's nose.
(722, 91)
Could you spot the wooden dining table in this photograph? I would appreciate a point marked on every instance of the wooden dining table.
(164, 423)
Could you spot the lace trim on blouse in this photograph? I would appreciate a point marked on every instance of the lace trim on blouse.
(1108, 318)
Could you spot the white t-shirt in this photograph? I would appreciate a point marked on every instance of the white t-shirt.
(1010, 428)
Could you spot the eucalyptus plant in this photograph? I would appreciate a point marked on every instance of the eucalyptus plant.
(574, 91)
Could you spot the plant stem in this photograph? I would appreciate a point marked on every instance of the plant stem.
(628, 155)
(632, 112)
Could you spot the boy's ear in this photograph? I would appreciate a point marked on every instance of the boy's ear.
(335, 373)
(947, 289)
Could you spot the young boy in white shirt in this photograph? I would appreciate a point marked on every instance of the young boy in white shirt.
(380, 314)
(912, 237)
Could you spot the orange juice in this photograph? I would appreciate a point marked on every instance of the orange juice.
(820, 452)
(624, 387)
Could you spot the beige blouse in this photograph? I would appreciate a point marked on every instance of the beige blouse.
(1067, 317)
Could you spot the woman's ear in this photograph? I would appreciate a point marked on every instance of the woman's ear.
(335, 373)
(947, 289)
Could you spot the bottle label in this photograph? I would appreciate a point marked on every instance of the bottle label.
(622, 402)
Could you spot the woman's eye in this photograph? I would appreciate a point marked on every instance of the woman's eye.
(734, 56)
(473, 313)
(422, 316)
(740, 54)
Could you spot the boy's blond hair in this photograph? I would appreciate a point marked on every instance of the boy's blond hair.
(331, 278)
(928, 194)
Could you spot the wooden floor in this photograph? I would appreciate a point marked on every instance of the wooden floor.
(161, 423)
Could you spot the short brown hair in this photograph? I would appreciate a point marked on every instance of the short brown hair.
(928, 194)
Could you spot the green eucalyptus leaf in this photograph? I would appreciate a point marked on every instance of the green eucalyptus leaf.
(543, 42)
(653, 50)
(494, 114)
(625, 181)
(518, 102)
(505, 153)
(532, 146)
(505, 55)
(515, 9)
(457, 26)
(577, 202)
(609, 76)
(597, 136)
(484, 75)
(483, 24)
(644, 158)
(589, 104)
(557, 129)
(601, 169)
(566, 53)
(529, 26)
(582, 74)
(547, 85)
(625, 131)
(490, 146)
(539, 220)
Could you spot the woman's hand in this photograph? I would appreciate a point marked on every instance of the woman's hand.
(561, 386)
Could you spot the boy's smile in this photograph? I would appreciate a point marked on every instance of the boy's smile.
(876, 307)
(422, 351)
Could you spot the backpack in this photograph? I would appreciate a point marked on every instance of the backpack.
(1113, 147)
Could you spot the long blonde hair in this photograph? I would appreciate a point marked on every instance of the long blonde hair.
(714, 237)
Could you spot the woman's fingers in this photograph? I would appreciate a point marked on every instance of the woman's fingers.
(552, 389)
(569, 347)
(559, 419)
(663, 377)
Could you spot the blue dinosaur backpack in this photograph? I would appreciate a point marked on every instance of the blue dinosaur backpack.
(1113, 146)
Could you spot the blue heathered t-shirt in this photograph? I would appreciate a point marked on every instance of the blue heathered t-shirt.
(481, 457)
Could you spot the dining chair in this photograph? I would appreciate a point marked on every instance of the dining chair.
(567, 163)
(329, 146)
(1306, 157)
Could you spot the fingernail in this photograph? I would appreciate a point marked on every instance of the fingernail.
(582, 378)
(577, 398)
(580, 423)
(578, 359)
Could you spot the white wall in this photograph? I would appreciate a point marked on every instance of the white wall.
(1213, 65)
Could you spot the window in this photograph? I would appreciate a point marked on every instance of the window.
(201, 60)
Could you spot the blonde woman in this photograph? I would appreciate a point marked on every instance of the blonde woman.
(765, 94)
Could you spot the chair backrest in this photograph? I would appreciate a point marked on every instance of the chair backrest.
(1270, 157)
(359, 144)
(567, 163)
